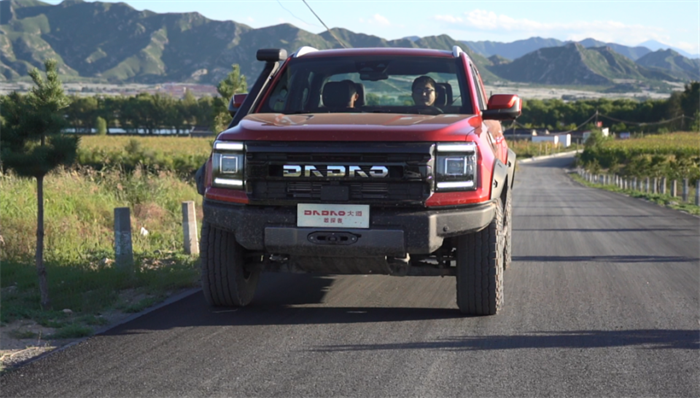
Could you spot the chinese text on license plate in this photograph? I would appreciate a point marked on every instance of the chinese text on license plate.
(330, 216)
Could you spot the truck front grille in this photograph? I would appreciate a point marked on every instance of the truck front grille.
(408, 181)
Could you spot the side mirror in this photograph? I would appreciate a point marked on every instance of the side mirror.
(235, 103)
(503, 107)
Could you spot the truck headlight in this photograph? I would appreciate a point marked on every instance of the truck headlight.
(228, 164)
(456, 166)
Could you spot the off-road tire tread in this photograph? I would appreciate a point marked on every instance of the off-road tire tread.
(508, 226)
(223, 281)
(480, 268)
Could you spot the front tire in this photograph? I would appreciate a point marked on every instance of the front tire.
(480, 268)
(225, 279)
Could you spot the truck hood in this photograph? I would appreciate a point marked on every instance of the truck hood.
(352, 127)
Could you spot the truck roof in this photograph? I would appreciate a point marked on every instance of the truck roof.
(392, 51)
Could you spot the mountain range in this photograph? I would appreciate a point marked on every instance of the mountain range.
(116, 43)
(519, 48)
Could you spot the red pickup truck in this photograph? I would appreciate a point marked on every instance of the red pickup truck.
(361, 161)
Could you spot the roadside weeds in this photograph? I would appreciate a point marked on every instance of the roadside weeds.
(663, 200)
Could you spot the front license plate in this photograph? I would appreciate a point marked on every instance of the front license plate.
(332, 216)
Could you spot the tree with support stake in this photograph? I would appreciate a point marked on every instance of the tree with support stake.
(33, 145)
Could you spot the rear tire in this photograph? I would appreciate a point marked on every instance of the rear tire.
(225, 280)
(480, 268)
(508, 227)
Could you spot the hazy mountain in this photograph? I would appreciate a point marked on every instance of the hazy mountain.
(673, 63)
(575, 64)
(512, 50)
(633, 53)
(519, 48)
(498, 60)
(654, 45)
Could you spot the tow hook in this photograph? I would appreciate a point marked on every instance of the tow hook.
(333, 238)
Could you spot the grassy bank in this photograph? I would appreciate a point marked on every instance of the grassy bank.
(79, 239)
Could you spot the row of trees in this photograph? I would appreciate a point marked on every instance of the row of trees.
(145, 113)
(620, 114)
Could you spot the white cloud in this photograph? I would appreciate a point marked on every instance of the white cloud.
(377, 19)
(689, 47)
(250, 19)
(448, 18)
(608, 31)
(381, 20)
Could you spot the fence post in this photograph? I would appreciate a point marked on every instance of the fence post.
(124, 252)
(697, 193)
(685, 189)
(663, 185)
(646, 181)
(655, 186)
(674, 189)
(634, 184)
(189, 227)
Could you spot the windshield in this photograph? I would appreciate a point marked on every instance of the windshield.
(405, 84)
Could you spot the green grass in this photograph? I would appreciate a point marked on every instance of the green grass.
(665, 200)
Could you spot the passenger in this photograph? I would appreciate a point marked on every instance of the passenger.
(339, 95)
(423, 91)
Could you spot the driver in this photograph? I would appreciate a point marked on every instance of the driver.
(423, 91)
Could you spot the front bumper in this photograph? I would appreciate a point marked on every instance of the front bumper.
(392, 232)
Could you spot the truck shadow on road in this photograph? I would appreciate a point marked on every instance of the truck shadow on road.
(647, 339)
(281, 299)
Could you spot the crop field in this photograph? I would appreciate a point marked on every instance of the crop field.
(168, 145)
(671, 155)
(659, 144)
(181, 155)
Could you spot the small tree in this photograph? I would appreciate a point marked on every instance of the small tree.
(234, 83)
(33, 145)
(101, 126)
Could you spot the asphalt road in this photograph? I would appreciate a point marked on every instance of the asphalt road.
(602, 300)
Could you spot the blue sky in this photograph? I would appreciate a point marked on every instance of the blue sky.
(676, 23)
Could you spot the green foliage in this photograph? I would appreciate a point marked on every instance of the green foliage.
(695, 126)
(234, 83)
(32, 142)
(101, 126)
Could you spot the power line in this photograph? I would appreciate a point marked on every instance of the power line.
(292, 14)
(645, 123)
(616, 120)
(319, 18)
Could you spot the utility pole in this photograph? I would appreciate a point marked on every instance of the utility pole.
(596, 117)
(682, 121)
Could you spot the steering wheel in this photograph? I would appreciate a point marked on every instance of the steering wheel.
(429, 110)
